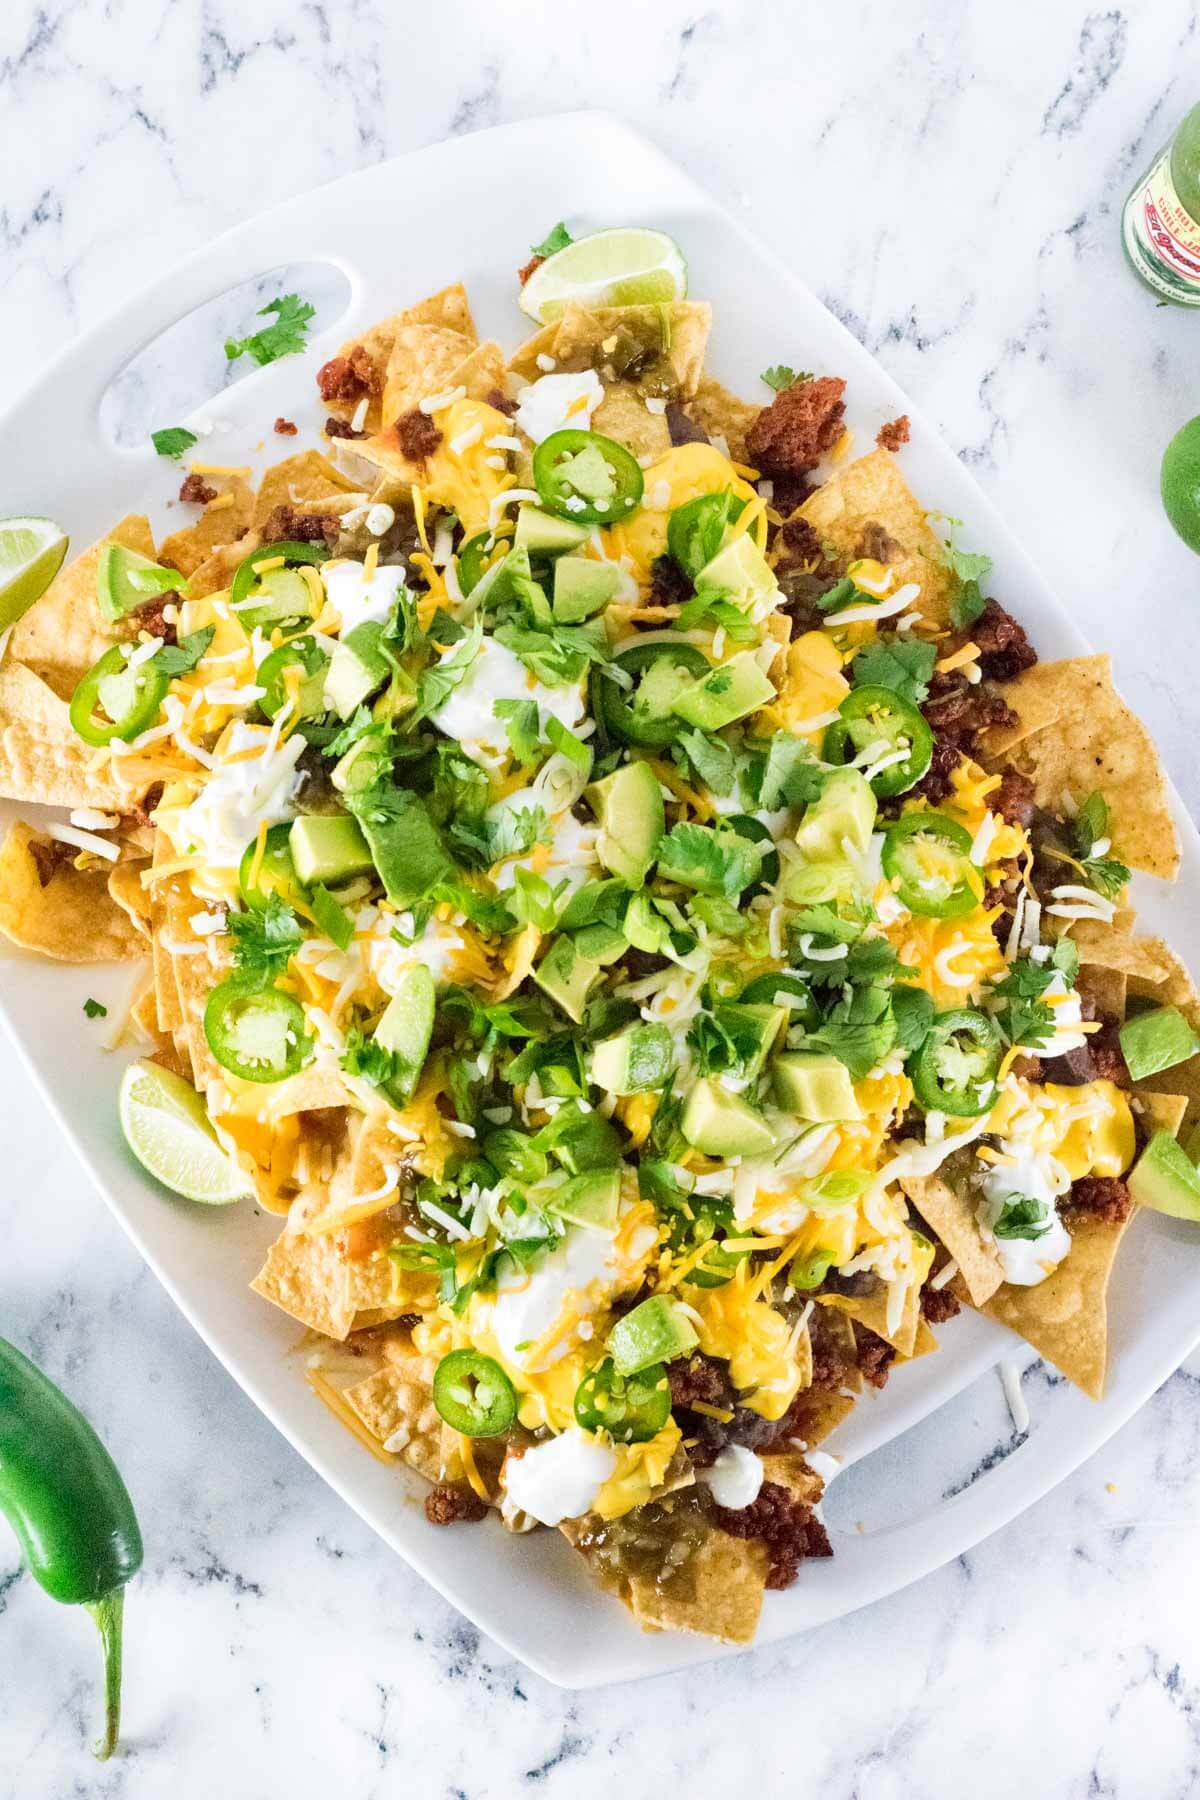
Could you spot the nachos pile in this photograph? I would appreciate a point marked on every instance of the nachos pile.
(635, 908)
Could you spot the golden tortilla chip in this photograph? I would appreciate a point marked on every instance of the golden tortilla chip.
(622, 415)
(952, 1217)
(872, 491)
(126, 888)
(1106, 989)
(870, 1311)
(217, 571)
(1169, 984)
(482, 372)
(1161, 1111)
(670, 339)
(721, 414)
(448, 309)
(1096, 742)
(396, 1406)
(298, 481)
(524, 359)
(41, 756)
(423, 362)
(1065, 1317)
(64, 632)
(71, 918)
(722, 1597)
(223, 521)
(304, 1276)
(1146, 962)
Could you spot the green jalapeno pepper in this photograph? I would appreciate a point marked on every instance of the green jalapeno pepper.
(256, 1032)
(74, 1520)
(116, 701)
(642, 715)
(873, 716)
(290, 551)
(808, 1272)
(473, 1394)
(955, 1069)
(927, 858)
(474, 560)
(590, 479)
(305, 654)
(696, 529)
(276, 871)
(631, 1408)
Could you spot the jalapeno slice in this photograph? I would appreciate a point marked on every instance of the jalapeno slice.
(955, 1069)
(927, 858)
(473, 1394)
(256, 1032)
(876, 719)
(716, 1266)
(474, 559)
(289, 550)
(642, 714)
(696, 529)
(765, 990)
(631, 1408)
(588, 478)
(302, 653)
(276, 871)
(747, 826)
(115, 700)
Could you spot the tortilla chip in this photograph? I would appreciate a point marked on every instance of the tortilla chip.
(64, 632)
(448, 308)
(1097, 742)
(524, 359)
(1169, 984)
(622, 415)
(872, 491)
(870, 1311)
(611, 338)
(722, 1599)
(482, 372)
(1106, 989)
(721, 414)
(1160, 1111)
(1065, 1317)
(41, 757)
(222, 522)
(952, 1216)
(297, 481)
(126, 888)
(396, 1406)
(304, 1276)
(72, 918)
(424, 360)
(1147, 963)
(217, 571)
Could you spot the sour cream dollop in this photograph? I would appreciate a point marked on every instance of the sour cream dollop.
(559, 1480)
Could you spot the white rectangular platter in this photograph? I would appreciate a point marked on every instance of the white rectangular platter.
(467, 210)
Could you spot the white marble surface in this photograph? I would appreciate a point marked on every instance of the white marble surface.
(948, 174)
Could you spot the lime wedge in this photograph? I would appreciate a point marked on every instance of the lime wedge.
(1181, 483)
(31, 554)
(626, 267)
(167, 1129)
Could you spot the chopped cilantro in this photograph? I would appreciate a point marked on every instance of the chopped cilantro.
(1023, 1217)
(966, 605)
(520, 719)
(902, 664)
(369, 1060)
(177, 659)
(791, 775)
(712, 759)
(710, 861)
(265, 941)
(859, 1030)
(94, 1009)
(173, 440)
(779, 376)
(1090, 823)
(1107, 874)
(557, 238)
(285, 337)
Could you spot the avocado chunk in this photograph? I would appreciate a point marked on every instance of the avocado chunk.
(542, 534)
(405, 1030)
(588, 1199)
(844, 810)
(405, 844)
(814, 1085)
(582, 586)
(115, 592)
(654, 1332)
(582, 1140)
(740, 571)
(567, 977)
(730, 691)
(636, 1061)
(328, 847)
(628, 805)
(601, 943)
(1155, 1040)
(356, 668)
(723, 1124)
(1166, 1179)
(753, 1026)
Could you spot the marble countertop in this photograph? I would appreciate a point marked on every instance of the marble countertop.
(949, 177)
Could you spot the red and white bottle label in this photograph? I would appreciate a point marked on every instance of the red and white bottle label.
(1167, 226)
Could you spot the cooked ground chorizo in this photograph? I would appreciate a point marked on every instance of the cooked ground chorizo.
(790, 436)
(418, 436)
(893, 434)
(149, 617)
(669, 586)
(49, 857)
(874, 541)
(285, 428)
(347, 378)
(340, 428)
(1013, 799)
(682, 427)
(957, 711)
(285, 525)
(785, 1525)
(699, 1378)
(875, 1358)
(1005, 650)
(140, 814)
(939, 1304)
(500, 402)
(706, 1379)
(1103, 1197)
(448, 1503)
(526, 269)
(196, 491)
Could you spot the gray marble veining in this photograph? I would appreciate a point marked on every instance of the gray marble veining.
(948, 176)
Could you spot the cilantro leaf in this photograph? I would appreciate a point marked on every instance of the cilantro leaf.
(710, 861)
(511, 831)
(822, 921)
(556, 654)
(913, 1010)
(791, 775)
(1090, 823)
(485, 910)
(1023, 1217)
(520, 718)
(265, 941)
(94, 1009)
(557, 238)
(842, 593)
(859, 1030)
(438, 682)
(533, 900)
(1065, 958)
(177, 659)
(779, 376)
(707, 606)
(285, 337)
(173, 440)
(902, 664)
(370, 1060)
(712, 759)
(1106, 874)
(966, 605)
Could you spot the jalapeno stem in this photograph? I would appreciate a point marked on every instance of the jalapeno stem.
(109, 1614)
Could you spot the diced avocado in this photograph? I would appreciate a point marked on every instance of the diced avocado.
(636, 1061)
(815, 1086)
(281, 594)
(1155, 1040)
(543, 535)
(115, 592)
(356, 668)
(1166, 1179)
(601, 943)
(596, 900)
(844, 811)
(582, 586)
(589, 1199)
(406, 846)
(656, 1331)
(328, 847)
(582, 1140)
(659, 688)
(645, 926)
(739, 570)
(567, 977)
(723, 1124)
(628, 805)
(406, 1028)
(730, 691)
(754, 1026)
